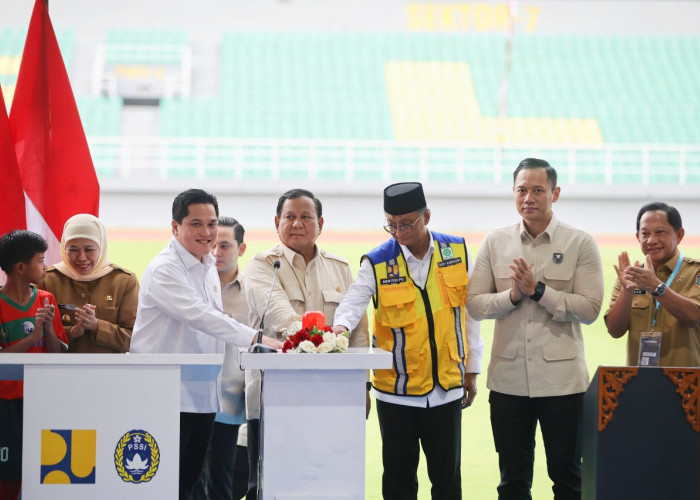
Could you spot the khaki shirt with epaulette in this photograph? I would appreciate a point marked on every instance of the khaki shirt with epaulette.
(680, 345)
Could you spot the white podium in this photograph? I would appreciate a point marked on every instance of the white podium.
(103, 425)
(313, 422)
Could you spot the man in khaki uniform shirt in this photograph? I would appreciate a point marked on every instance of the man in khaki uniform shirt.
(638, 290)
(309, 279)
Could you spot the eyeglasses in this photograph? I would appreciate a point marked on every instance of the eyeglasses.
(393, 228)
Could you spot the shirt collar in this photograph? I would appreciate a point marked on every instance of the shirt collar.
(237, 281)
(290, 254)
(187, 258)
(670, 264)
(407, 253)
(549, 230)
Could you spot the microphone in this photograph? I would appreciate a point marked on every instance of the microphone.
(259, 347)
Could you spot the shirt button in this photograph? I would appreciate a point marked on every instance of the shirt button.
(82, 295)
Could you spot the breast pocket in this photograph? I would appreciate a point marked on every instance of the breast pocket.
(559, 276)
(296, 298)
(398, 305)
(454, 281)
(331, 299)
(641, 301)
(107, 314)
(503, 278)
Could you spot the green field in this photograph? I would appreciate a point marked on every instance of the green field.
(479, 460)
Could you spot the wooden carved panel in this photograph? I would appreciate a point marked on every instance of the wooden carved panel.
(686, 382)
(611, 383)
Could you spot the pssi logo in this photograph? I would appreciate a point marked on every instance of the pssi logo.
(68, 456)
(137, 457)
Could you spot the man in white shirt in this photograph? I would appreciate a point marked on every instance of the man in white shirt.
(418, 282)
(180, 311)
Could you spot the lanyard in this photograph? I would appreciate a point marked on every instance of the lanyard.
(668, 284)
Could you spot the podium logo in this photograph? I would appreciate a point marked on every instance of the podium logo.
(137, 457)
(68, 456)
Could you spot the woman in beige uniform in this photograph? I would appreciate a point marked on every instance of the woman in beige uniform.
(97, 298)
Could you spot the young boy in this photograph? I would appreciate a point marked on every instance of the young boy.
(28, 323)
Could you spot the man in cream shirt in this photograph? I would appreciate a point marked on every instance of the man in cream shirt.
(539, 279)
(309, 279)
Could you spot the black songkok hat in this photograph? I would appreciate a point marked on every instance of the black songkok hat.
(403, 198)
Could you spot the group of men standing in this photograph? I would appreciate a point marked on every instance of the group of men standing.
(540, 279)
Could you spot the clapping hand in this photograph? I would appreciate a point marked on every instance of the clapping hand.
(639, 277)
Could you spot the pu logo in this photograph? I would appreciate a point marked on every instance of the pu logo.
(392, 271)
(68, 456)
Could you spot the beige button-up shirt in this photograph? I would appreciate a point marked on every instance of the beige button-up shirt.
(232, 377)
(318, 286)
(538, 346)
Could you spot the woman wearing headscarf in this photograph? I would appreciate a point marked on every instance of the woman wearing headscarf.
(97, 298)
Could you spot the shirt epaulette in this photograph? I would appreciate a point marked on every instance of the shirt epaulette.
(332, 256)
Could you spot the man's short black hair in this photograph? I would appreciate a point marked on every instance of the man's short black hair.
(532, 163)
(298, 193)
(182, 202)
(238, 229)
(673, 216)
(19, 246)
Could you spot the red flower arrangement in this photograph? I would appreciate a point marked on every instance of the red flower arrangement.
(316, 336)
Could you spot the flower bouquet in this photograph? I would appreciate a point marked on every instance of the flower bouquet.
(316, 336)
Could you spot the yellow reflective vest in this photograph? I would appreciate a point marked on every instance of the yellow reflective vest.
(424, 328)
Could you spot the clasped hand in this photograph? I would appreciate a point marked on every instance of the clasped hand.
(523, 281)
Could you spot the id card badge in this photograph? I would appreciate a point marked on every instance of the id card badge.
(649, 349)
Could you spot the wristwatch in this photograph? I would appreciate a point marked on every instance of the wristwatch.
(539, 291)
(659, 290)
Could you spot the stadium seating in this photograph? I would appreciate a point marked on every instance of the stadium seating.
(435, 97)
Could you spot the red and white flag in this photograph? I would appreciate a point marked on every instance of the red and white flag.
(11, 192)
(12, 214)
(52, 153)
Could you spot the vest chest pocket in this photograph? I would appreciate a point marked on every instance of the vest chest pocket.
(398, 305)
(454, 281)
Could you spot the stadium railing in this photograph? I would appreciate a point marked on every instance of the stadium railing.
(154, 158)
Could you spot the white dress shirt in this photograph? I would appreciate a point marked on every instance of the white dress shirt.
(355, 303)
(180, 311)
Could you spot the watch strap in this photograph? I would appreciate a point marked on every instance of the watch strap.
(539, 291)
(659, 290)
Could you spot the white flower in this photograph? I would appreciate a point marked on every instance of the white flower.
(329, 338)
(307, 346)
(326, 347)
(342, 342)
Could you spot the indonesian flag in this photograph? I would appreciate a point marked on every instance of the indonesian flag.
(52, 153)
(11, 192)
